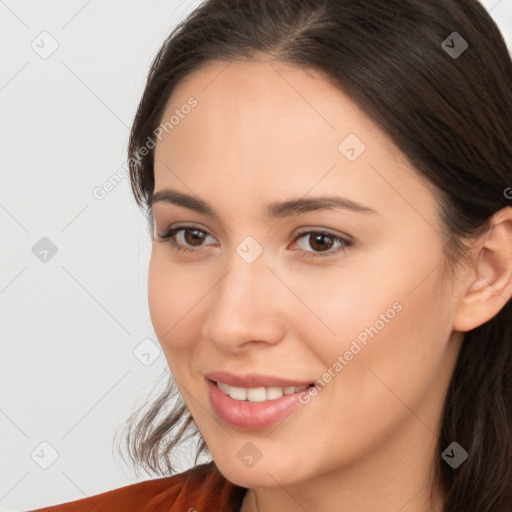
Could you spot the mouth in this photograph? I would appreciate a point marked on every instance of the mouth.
(258, 394)
(254, 407)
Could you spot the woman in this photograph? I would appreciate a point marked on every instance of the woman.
(328, 189)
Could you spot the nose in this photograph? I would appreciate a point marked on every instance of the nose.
(246, 308)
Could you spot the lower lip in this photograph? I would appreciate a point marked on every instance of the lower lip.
(251, 415)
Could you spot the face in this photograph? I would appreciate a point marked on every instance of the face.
(351, 299)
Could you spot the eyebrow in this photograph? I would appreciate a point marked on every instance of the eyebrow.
(273, 210)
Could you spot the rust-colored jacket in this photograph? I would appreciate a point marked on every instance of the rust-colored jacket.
(200, 489)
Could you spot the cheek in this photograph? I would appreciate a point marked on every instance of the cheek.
(393, 356)
(172, 294)
(337, 305)
(379, 320)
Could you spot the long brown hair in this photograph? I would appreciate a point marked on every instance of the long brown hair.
(450, 114)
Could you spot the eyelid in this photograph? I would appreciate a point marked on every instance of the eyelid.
(327, 231)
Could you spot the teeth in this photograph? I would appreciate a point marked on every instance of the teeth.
(274, 392)
(258, 394)
(238, 393)
(224, 387)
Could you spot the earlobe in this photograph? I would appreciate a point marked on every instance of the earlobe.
(490, 286)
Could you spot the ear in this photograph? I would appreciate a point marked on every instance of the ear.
(488, 284)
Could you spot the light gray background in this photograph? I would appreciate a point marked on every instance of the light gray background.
(69, 326)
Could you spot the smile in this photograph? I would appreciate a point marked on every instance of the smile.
(260, 394)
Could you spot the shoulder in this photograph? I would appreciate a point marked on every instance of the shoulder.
(202, 488)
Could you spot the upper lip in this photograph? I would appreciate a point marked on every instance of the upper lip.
(252, 380)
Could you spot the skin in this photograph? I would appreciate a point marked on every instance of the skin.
(266, 131)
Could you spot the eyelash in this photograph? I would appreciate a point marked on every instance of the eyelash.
(168, 237)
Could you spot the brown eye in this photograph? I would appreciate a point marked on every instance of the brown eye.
(193, 236)
(322, 242)
(185, 238)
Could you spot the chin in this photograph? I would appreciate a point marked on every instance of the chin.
(262, 474)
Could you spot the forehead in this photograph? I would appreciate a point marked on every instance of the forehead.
(265, 102)
(271, 126)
